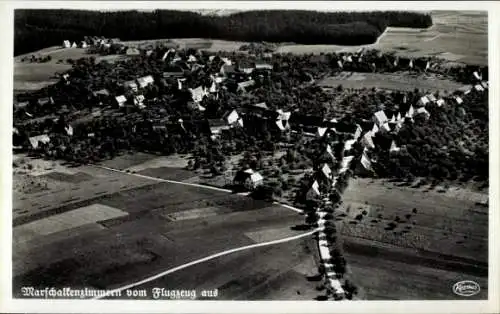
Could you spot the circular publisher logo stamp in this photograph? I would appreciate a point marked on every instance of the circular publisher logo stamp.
(466, 288)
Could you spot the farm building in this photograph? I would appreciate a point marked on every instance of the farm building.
(132, 85)
(145, 81)
(131, 51)
(431, 98)
(313, 191)
(440, 102)
(320, 132)
(367, 140)
(284, 116)
(263, 66)
(176, 73)
(83, 44)
(35, 140)
(245, 67)
(74, 45)
(424, 100)
(380, 118)
(245, 86)
(66, 44)
(423, 111)
(227, 69)
(46, 100)
(394, 148)
(326, 171)
(198, 93)
(233, 118)
(121, 100)
(282, 125)
(139, 100)
(69, 130)
(248, 179)
(102, 92)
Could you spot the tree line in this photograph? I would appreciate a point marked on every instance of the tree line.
(36, 29)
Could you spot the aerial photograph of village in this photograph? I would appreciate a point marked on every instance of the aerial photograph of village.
(250, 155)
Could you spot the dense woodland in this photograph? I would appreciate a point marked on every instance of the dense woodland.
(36, 29)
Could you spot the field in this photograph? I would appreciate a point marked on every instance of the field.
(455, 36)
(112, 229)
(33, 76)
(402, 82)
(426, 252)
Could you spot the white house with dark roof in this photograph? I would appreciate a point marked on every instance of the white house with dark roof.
(249, 178)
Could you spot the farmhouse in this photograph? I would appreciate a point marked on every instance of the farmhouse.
(145, 81)
(35, 140)
(83, 44)
(245, 86)
(380, 118)
(423, 101)
(69, 130)
(431, 97)
(232, 117)
(131, 85)
(263, 66)
(367, 140)
(102, 92)
(175, 74)
(66, 44)
(121, 100)
(198, 93)
(326, 171)
(248, 179)
(245, 67)
(285, 116)
(138, 100)
(131, 51)
(423, 111)
(313, 191)
(46, 100)
(227, 69)
(282, 125)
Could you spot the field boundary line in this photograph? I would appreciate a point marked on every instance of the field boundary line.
(165, 180)
(204, 259)
(192, 184)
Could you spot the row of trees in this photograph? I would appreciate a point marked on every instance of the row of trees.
(35, 29)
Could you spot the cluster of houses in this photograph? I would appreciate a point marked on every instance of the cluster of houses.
(93, 41)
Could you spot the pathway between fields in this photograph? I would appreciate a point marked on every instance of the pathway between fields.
(201, 260)
(189, 184)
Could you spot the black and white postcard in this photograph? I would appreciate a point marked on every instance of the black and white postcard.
(172, 155)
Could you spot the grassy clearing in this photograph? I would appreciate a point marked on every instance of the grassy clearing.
(390, 82)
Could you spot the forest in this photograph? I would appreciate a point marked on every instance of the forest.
(37, 29)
